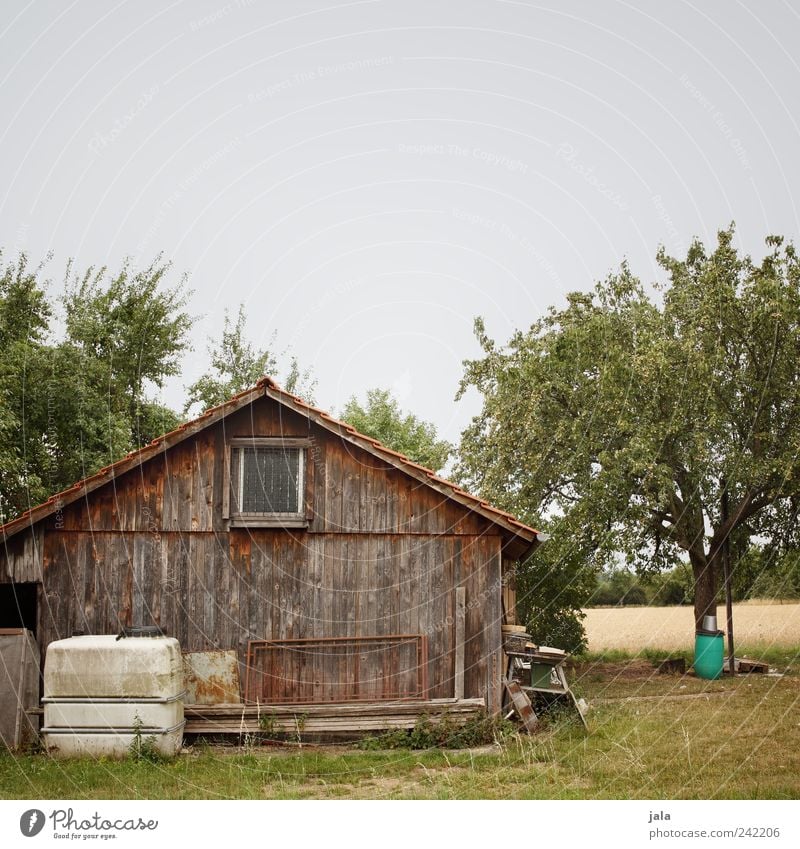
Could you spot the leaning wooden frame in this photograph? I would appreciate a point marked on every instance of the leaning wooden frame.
(314, 670)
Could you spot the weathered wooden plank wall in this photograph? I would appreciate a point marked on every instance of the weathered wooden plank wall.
(21, 557)
(383, 554)
(219, 591)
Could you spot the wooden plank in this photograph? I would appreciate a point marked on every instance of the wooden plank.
(163, 613)
(184, 468)
(34, 554)
(343, 709)
(226, 482)
(365, 512)
(316, 577)
(333, 487)
(439, 670)
(493, 613)
(308, 727)
(126, 585)
(459, 624)
(139, 556)
(509, 592)
(350, 717)
(316, 484)
(744, 666)
(243, 553)
(389, 485)
(281, 588)
(348, 663)
(351, 494)
(239, 556)
(202, 515)
(318, 456)
(474, 683)
(180, 544)
(316, 627)
(209, 605)
(522, 706)
(19, 687)
(375, 671)
(226, 596)
(75, 586)
(425, 606)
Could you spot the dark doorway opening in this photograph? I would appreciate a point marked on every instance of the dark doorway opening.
(18, 603)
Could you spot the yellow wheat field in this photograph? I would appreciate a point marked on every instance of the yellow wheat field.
(635, 628)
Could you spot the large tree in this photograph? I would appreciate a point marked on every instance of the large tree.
(24, 320)
(76, 398)
(631, 418)
(381, 418)
(131, 325)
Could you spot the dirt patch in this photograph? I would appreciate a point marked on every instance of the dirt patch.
(629, 670)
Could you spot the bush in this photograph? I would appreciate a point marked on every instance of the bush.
(444, 734)
(621, 586)
(605, 595)
(562, 629)
(144, 748)
(671, 591)
(635, 595)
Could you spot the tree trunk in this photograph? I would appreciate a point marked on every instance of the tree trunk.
(705, 586)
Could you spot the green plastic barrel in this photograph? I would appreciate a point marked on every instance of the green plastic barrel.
(708, 653)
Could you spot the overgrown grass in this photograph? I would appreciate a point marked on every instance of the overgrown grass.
(444, 734)
(657, 737)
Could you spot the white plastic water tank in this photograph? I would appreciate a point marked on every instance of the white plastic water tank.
(102, 693)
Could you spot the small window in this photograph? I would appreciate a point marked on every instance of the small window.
(267, 482)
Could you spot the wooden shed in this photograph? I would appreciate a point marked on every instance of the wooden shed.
(337, 569)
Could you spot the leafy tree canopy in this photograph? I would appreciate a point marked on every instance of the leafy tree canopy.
(129, 321)
(382, 419)
(72, 404)
(237, 365)
(622, 418)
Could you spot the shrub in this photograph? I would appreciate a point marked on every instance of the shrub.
(143, 748)
(446, 733)
(559, 628)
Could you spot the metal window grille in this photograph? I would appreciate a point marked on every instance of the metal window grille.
(270, 480)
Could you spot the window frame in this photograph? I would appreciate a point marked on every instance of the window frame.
(234, 483)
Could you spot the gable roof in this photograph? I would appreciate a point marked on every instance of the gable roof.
(266, 387)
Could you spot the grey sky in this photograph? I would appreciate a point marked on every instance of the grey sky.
(369, 176)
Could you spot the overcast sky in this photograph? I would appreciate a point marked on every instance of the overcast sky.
(367, 177)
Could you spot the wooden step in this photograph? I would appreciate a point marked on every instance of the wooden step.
(318, 719)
